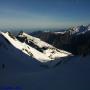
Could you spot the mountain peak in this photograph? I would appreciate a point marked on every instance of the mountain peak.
(79, 29)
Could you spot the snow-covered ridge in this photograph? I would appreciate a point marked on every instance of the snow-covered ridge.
(46, 56)
(80, 29)
(25, 48)
(34, 40)
(47, 49)
(15, 60)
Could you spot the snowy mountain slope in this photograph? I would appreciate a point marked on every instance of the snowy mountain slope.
(47, 49)
(15, 60)
(71, 75)
(25, 72)
(45, 57)
(49, 57)
(26, 48)
(74, 75)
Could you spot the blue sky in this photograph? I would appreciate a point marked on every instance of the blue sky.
(44, 13)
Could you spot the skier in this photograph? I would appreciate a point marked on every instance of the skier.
(3, 66)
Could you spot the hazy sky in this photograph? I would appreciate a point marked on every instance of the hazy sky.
(44, 13)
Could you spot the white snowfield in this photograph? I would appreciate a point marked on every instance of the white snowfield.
(59, 32)
(26, 48)
(46, 57)
(50, 51)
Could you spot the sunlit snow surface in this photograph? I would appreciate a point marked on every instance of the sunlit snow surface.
(50, 51)
(47, 55)
(23, 47)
